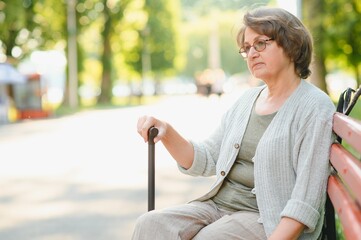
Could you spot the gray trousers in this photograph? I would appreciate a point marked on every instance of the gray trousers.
(198, 221)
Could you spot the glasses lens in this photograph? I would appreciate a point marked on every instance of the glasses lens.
(243, 52)
(260, 45)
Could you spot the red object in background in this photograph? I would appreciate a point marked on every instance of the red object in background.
(31, 114)
(28, 98)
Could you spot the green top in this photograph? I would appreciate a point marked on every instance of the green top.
(236, 191)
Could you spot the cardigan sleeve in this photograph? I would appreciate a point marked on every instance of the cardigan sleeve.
(206, 154)
(312, 168)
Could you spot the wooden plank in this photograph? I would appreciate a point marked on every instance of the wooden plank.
(348, 129)
(346, 208)
(348, 167)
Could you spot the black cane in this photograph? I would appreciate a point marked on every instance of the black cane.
(152, 133)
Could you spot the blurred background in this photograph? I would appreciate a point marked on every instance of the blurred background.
(80, 53)
(75, 75)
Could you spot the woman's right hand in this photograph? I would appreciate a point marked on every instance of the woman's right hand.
(180, 148)
(146, 122)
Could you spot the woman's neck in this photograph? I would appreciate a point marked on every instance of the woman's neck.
(282, 89)
(274, 95)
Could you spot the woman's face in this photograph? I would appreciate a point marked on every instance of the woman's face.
(268, 64)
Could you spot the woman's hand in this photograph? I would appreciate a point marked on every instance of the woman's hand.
(146, 122)
(180, 148)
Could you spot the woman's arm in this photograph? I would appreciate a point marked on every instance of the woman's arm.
(178, 147)
(287, 229)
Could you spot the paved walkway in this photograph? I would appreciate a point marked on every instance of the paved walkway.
(85, 176)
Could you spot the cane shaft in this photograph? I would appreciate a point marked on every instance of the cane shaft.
(151, 167)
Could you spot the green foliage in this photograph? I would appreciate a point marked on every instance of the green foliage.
(339, 230)
(25, 26)
(356, 114)
(150, 37)
(199, 18)
(11, 22)
(156, 39)
(343, 40)
(356, 111)
(120, 39)
(232, 62)
(197, 33)
(52, 31)
(162, 33)
(203, 7)
(336, 29)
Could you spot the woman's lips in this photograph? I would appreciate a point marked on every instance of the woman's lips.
(257, 65)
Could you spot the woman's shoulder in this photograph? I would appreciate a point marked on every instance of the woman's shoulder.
(312, 101)
(312, 96)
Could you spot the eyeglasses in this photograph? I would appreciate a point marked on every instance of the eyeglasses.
(259, 45)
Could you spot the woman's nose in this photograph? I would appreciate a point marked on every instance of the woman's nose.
(252, 51)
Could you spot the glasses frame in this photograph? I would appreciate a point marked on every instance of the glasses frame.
(256, 47)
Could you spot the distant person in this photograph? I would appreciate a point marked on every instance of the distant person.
(270, 152)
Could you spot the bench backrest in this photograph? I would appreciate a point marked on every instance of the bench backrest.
(344, 185)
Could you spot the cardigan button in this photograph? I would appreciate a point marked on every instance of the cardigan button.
(253, 191)
(223, 173)
(236, 146)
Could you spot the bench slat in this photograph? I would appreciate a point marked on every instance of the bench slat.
(346, 208)
(348, 167)
(348, 129)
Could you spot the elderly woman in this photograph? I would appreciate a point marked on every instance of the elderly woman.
(270, 152)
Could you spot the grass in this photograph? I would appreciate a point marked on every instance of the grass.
(356, 111)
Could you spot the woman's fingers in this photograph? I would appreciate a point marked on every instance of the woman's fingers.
(161, 132)
(144, 124)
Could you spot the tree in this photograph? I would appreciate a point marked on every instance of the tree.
(344, 39)
(199, 18)
(25, 26)
(313, 12)
(336, 28)
(98, 22)
(113, 12)
(197, 33)
(157, 47)
(203, 7)
(13, 20)
(161, 40)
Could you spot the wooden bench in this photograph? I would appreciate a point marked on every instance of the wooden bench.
(344, 185)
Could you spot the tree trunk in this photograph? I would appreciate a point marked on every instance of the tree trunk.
(71, 94)
(312, 12)
(318, 76)
(106, 84)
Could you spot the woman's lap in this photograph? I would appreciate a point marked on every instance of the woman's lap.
(239, 225)
(198, 220)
